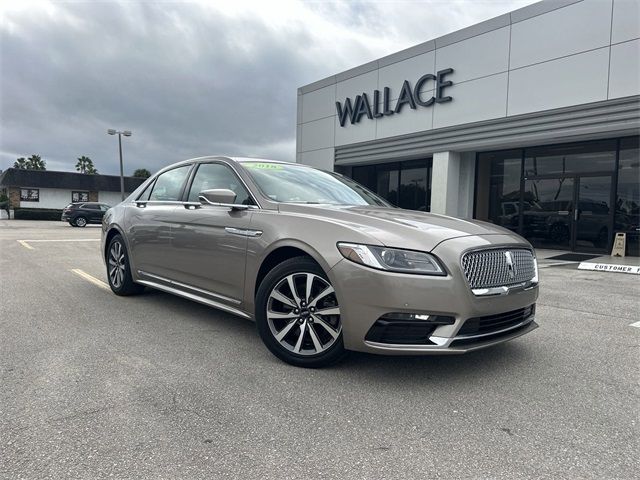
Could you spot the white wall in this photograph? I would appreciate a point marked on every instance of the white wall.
(537, 58)
(49, 198)
(59, 198)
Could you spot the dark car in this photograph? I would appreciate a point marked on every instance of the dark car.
(80, 214)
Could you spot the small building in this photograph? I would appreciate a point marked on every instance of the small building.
(529, 120)
(45, 189)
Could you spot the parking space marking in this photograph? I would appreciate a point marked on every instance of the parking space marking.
(26, 243)
(635, 324)
(90, 278)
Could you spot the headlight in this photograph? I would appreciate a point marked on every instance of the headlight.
(391, 259)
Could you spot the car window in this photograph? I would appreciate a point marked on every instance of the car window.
(216, 175)
(168, 186)
(144, 196)
(104, 207)
(91, 206)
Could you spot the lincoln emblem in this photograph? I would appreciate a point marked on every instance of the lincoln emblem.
(510, 266)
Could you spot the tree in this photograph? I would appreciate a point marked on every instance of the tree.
(142, 173)
(85, 165)
(35, 162)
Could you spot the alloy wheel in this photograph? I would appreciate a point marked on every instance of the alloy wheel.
(116, 264)
(81, 221)
(303, 314)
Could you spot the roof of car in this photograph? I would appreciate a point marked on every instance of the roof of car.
(240, 159)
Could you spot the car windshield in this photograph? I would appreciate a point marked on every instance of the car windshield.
(299, 184)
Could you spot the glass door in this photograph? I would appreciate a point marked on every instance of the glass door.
(547, 212)
(594, 215)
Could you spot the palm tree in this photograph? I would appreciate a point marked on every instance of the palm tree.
(35, 162)
(142, 173)
(85, 165)
(20, 163)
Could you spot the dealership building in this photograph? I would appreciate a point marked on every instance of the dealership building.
(529, 120)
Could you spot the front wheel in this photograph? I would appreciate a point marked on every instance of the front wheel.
(298, 316)
(119, 269)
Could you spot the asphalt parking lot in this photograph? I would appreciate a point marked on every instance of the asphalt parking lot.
(154, 386)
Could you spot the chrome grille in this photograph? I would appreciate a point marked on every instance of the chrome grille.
(498, 267)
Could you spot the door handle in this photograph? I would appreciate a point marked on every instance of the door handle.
(576, 213)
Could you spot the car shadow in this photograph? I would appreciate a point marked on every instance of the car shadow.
(506, 359)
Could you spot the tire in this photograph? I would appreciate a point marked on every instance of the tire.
(119, 269)
(71, 223)
(80, 222)
(308, 338)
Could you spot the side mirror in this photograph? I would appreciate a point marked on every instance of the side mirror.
(217, 196)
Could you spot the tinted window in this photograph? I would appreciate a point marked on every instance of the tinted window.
(585, 157)
(92, 206)
(215, 176)
(104, 207)
(145, 193)
(168, 186)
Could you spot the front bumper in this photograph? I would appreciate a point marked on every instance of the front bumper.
(365, 295)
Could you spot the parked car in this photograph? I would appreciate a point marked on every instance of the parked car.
(320, 263)
(82, 213)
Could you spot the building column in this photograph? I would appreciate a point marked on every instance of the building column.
(452, 183)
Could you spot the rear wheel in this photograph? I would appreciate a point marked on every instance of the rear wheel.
(72, 224)
(298, 316)
(81, 222)
(119, 269)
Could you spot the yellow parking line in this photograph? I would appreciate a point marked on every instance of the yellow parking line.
(25, 244)
(90, 278)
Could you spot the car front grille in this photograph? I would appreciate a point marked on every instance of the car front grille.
(496, 323)
(498, 267)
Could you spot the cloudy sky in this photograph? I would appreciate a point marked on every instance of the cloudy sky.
(188, 78)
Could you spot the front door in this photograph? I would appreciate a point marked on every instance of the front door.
(209, 244)
(568, 212)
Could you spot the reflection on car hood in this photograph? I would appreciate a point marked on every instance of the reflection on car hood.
(395, 227)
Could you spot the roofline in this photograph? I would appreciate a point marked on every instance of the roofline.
(504, 20)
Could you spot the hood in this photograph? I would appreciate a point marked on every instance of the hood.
(395, 227)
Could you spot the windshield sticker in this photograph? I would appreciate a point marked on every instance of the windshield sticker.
(263, 166)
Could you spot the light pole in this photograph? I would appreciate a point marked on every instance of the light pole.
(126, 133)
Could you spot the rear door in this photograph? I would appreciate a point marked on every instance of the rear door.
(149, 222)
(209, 243)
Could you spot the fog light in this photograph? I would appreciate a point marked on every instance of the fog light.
(418, 317)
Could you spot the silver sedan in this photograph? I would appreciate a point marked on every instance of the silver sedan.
(321, 264)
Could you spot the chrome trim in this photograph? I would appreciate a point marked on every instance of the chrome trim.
(184, 285)
(524, 322)
(243, 232)
(443, 343)
(505, 290)
(195, 298)
(234, 206)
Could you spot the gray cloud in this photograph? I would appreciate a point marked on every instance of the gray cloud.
(188, 79)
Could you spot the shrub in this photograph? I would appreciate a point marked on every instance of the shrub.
(37, 214)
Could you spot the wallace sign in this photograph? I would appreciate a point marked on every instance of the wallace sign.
(408, 96)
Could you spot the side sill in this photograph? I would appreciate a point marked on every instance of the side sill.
(196, 298)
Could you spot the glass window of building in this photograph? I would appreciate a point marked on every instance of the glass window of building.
(504, 186)
(404, 184)
(627, 206)
(598, 156)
